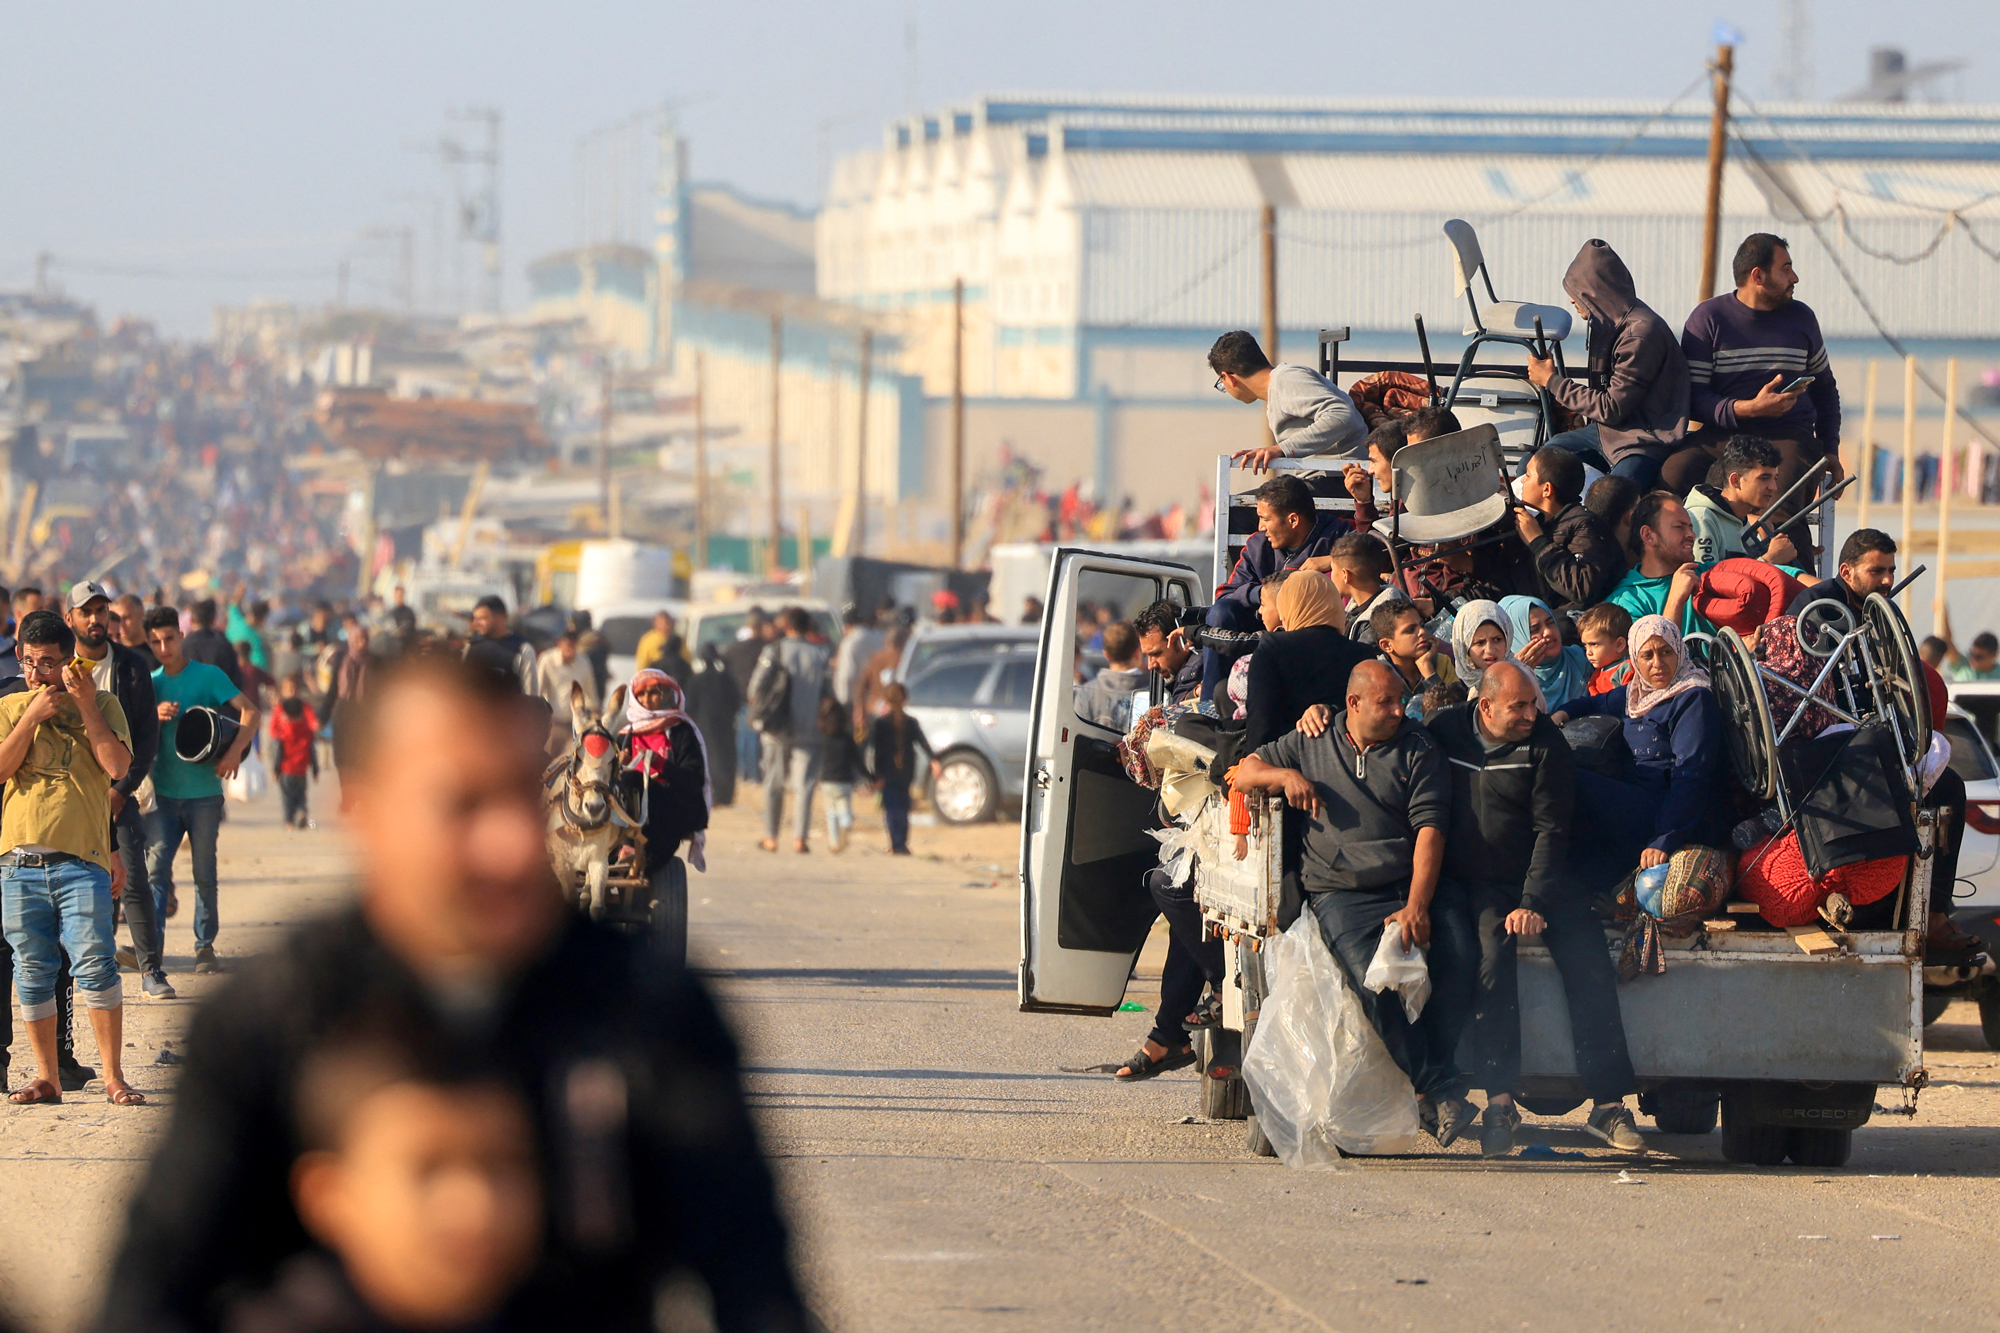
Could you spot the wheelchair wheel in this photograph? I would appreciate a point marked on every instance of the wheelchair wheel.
(1753, 741)
(1898, 680)
(669, 887)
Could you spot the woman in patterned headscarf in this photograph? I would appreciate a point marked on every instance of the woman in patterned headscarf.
(1675, 794)
(665, 746)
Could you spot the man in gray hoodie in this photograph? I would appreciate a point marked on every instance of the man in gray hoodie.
(793, 671)
(1635, 395)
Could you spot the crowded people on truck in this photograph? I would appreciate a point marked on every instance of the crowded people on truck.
(1577, 559)
(1290, 533)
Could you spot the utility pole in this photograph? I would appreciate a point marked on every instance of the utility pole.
(1718, 131)
(858, 539)
(604, 454)
(1866, 467)
(1940, 615)
(957, 422)
(340, 287)
(1270, 229)
(773, 558)
(1909, 533)
(700, 469)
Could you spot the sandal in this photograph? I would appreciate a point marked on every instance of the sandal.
(37, 1091)
(1144, 1066)
(1207, 1014)
(123, 1094)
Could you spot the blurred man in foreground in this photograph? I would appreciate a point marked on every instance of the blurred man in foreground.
(460, 933)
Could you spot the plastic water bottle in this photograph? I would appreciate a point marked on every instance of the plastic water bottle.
(1649, 886)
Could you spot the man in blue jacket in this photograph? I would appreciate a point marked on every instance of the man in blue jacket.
(1290, 531)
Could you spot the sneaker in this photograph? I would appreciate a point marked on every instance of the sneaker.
(1614, 1125)
(127, 960)
(204, 961)
(1454, 1116)
(73, 1076)
(1497, 1126)
(155, 986)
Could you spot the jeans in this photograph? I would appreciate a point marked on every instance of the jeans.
(292, 788)
(896, 814)
(1191, 959)
(747, 746)
(142, 912)
(1350, 921)
(199, 818)
(795, 764)
(1575, 941)
(839, 809)
(1226, 613)
(1583, 442)
(49, 910)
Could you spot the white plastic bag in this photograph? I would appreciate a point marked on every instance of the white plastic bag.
(250, 782)
(1318, 1072)
(1401, 970)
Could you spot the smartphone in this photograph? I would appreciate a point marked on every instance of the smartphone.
(1798, 385)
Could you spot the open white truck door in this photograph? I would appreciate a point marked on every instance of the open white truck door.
(1084, 845)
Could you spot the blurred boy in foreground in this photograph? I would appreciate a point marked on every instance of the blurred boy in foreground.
(421, 1182)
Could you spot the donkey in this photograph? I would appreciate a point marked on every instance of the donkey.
(585, 814)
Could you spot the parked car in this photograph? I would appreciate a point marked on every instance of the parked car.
(973, 706)
(930, 642)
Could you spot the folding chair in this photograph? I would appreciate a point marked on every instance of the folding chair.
(1538, 328)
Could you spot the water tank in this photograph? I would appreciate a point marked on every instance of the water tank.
(610, 572)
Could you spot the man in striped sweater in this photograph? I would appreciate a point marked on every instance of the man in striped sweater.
(1746, 347)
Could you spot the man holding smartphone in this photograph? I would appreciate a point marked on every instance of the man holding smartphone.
(1759, 367)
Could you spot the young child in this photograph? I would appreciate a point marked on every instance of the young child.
(422, 1186)
(893, 741)
(1402, 638)
(1603, 629)
(839, 770)
(294, 728)
(1359, 568)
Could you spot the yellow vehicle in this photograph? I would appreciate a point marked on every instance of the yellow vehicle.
(555, 573)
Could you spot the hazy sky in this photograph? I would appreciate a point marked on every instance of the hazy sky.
(212, 152)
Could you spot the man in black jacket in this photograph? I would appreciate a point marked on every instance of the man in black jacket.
(1577, 560)
(122, 672)
(1513, 792)
(460, 938)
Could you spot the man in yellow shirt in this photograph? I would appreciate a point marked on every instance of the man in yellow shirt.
(63, 743)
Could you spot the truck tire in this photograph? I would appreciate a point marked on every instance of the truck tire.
(669, 886)
(1685, 1110)
(1254, 1140)
(1821, 1147)
(1748, 1143)
(965, 790)
(1935, 1004)
(1221, 1098)
(1989, 1019)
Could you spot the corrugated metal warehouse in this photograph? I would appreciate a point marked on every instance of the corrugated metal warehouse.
(1101, 238)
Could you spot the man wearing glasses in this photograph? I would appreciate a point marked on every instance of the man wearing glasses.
(1308, 416)
(63, 742)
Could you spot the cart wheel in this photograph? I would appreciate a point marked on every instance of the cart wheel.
(1749, 1143)
(1685, 1110)
(1753, 741)
(1821, 1147)
(1898, 679)
(1254, 1140)
(669, 887)
(1221, 1098)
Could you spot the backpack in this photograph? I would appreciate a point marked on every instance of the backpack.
(771, 695)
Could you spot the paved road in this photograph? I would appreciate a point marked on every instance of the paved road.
(944, 1173)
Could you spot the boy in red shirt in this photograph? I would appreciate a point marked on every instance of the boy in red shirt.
(1603, 629)
(295, 728)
